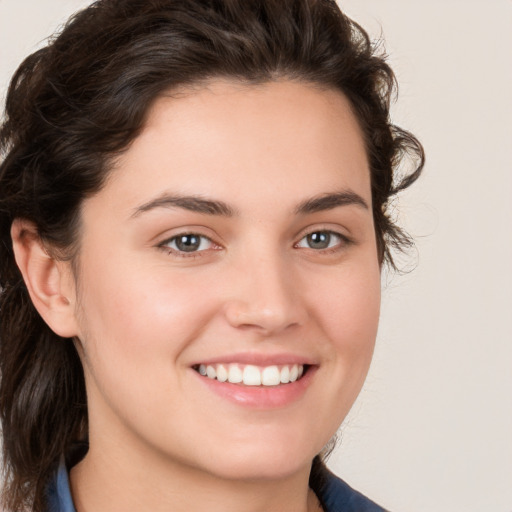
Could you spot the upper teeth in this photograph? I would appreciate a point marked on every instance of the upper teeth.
(251, 375)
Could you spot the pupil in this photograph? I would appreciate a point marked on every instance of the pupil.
(188, 243)
(319, 240)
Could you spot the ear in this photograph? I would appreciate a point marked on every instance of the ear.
(49, 281)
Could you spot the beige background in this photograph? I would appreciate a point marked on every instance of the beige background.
(432, 430)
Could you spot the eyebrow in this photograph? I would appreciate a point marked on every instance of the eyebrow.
(331, 201)
(192, 203)
(214, 207)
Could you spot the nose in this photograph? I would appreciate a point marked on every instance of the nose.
(265, 297)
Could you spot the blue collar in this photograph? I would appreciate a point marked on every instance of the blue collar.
(59, 492)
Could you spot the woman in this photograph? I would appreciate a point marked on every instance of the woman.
(193, 219)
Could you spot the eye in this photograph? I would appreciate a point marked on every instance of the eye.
(321, 240)
(187, 243)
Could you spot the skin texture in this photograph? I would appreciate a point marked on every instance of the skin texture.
(144, 313)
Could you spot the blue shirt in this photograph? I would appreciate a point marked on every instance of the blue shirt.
(335, 495)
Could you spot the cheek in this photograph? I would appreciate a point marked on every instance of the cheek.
(350, 305)
(349, 315)
(138, 316)
(136, 327)
(348, 310)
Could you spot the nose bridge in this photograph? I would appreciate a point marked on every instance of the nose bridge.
(264, 297)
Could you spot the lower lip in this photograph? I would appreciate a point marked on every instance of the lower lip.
(261, 397)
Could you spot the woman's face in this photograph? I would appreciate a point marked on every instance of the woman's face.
(234, 237)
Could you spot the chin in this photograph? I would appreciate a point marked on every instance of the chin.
(259, 469)
(266, 461)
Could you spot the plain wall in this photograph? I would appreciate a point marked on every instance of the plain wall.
(432, 430)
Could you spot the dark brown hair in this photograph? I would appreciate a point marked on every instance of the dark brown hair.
(77, 103)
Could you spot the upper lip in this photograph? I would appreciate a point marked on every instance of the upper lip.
(258, 359)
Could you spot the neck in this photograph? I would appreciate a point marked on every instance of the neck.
(127, 481)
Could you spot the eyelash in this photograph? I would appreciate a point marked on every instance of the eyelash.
(184, 254)
(343, 241)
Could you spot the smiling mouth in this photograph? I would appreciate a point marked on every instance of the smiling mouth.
(251, 375)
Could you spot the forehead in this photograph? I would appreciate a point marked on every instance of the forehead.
(244, 144)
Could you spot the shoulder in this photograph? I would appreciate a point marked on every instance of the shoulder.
(337, 496)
